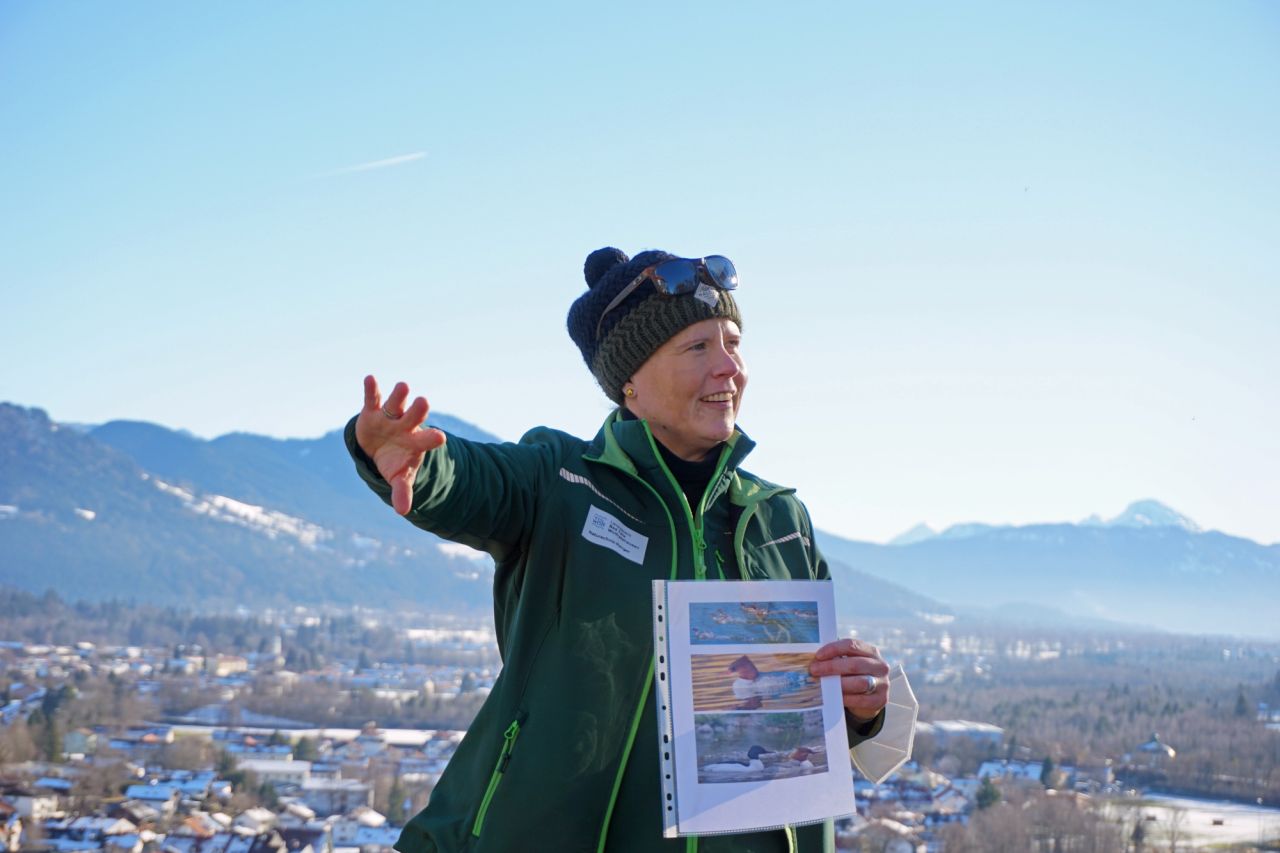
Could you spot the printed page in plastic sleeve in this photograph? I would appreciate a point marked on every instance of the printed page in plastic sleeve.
(748, 740)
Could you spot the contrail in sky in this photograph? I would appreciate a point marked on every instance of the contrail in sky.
(376, 164)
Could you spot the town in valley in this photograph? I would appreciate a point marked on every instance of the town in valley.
(139, 729)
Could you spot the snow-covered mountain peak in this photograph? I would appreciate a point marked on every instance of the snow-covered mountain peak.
(919, 533)
(1152, 513)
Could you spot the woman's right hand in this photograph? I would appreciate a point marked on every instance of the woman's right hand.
(393, 437)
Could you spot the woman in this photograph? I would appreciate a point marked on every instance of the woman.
(563, 756)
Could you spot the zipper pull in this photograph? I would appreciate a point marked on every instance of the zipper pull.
(508, 741)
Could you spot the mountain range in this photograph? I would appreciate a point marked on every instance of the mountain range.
(135, 511)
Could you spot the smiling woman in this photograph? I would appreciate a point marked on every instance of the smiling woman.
(691, 387)
(567, 740)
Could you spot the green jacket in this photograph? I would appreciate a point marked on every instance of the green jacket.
(562, 756)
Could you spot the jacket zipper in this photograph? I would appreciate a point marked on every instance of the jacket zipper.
(504, 757)
(695, 523)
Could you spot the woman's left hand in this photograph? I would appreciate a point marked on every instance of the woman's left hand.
(864, 686)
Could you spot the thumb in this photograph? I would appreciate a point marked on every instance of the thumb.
(402, 492)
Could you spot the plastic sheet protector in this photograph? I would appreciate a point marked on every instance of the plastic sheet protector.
(748, 740)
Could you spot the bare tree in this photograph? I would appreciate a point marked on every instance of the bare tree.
(1175, 828)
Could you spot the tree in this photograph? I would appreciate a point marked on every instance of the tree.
(988, 794)
(306, 750)
(1046, 772)
(1242, 704)
(17, 743)
(1175, 829)
(47, 734)
(1139, 835)
(395, 802)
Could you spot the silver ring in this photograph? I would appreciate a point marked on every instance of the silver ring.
(390, 416)
(871, 684)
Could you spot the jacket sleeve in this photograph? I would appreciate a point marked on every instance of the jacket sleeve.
(479, 494)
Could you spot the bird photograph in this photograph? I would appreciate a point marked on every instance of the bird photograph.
(753, 622)
(736, 747)
(751, 682)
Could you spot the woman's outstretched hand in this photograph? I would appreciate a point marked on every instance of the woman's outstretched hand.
(393, 437)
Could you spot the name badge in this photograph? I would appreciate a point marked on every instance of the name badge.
(604, 529)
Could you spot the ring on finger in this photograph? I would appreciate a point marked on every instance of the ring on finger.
(871, 684)
(389, 415)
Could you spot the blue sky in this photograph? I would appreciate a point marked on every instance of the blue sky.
(1000, 262)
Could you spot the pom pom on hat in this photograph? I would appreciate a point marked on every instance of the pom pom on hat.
(600, 262)
(616, 344)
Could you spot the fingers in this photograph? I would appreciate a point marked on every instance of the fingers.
(426, 440)
(394, 406)
(417, 411)
(846, 648)
(861, 704)
(856, 685)
(423, 438)
(372, 397)
(401, 494)
(846, 666)
(394, 438)
(864, 683)
(848, 657)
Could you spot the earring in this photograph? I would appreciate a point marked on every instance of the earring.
(629, 391)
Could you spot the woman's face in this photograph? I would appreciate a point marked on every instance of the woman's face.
(691, 387)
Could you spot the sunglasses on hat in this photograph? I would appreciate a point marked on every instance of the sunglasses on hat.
(677, 277)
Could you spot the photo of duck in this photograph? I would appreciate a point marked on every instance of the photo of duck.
(800, 757)
(753, 622)
(754, 686)
(753, 682)
(796, 745)
(750, 763)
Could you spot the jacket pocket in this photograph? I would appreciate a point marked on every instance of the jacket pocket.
(783, 557)
(499, 768)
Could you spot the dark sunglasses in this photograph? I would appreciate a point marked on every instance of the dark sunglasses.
(677, 277)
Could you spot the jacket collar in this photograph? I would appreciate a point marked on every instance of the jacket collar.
(628, 444)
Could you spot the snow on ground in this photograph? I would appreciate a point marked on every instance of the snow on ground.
(395, 737)
(1193, 820)
(454, 638)
(266, 521)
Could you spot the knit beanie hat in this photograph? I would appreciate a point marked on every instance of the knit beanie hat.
(637, 326)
